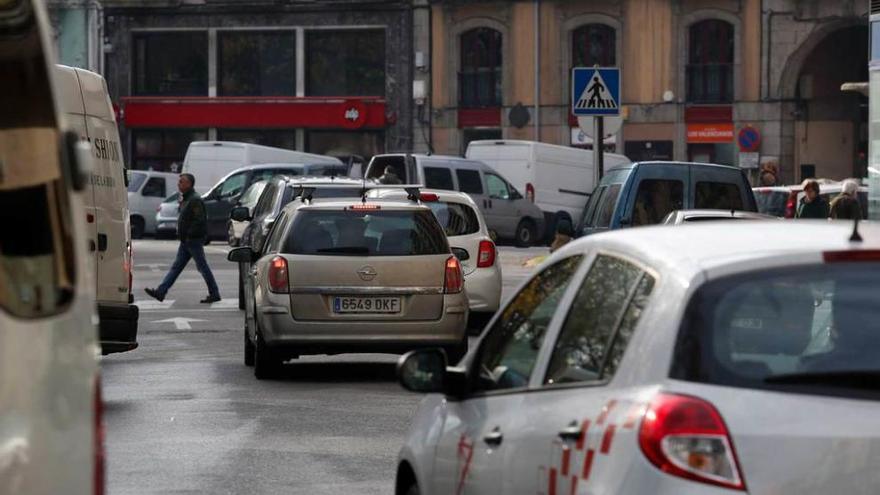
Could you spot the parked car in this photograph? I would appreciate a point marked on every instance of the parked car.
(146, 191)
(665, 361)
(558, 179)
(508, 214)
(209, 161)
(166, 217)
(248, 200)
(469, 238)
(352, 276)
(644, 193)
(782, 201)
(680, 217)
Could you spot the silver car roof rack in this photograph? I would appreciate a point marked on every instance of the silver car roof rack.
(413, 191)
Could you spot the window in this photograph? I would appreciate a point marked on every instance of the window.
(655, 199)
(717, 196)
(233, 186)
(497, 187)
(276, 138)
(605, 210)
(163, 150)
(155, 187)
(345, 63)
(438, 178)
(135, 181)
(266, 199)
(582, 349)
(594, 44)
(252, 195)
(256, 63)
(469, 181)
(508, 353)
(171, 64)
(479, 82)
(276, 234)
(710, 62)
(455, 218)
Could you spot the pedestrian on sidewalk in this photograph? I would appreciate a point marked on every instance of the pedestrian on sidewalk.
(192, 230)
(846, 205)
(812, 205)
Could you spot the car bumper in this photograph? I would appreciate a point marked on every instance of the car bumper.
(117, 328)
(483, 287)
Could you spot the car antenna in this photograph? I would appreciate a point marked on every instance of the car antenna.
(855, 237)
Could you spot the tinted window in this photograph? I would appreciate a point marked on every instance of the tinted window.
(349, 62)
(155, 187)
(655, 199)
(455, 218)
(267, 197)
(135, 181)
(717, 196)
(252, 195)
(171, 64)
(256, 63)
(588, 332)
(605, 209)
(438, 178)
(753, 330)
(771, 202)
(232, 186)
(366, 233)
(508, 353)
(497, 187)
(469, 181)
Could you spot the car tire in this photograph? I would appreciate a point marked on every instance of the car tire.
(249, 350)
(412, 490)
(525, 233)
(455, 353)
(137, 227)
(265, 363)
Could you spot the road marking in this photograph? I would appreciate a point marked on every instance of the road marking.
(225, 304)
(151, 305)
(154, 267)
(180, 323)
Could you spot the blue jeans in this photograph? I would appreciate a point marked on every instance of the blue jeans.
(187, 250)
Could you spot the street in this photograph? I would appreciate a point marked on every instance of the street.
(184, 415)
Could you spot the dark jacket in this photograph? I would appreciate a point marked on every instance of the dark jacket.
(818, 208)
(192, 222)
(845, 207)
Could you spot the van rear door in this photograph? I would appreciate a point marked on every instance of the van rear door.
(656, 190)
(720, 188)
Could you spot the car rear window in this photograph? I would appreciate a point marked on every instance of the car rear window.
(717, 196)
(366, 233)
(455, 218)
(771, 202)
(136, 180)
(809, 329)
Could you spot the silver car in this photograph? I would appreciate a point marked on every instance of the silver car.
(166, 216)
(352, 276)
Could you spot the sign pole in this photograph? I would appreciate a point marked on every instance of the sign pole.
(598, 147)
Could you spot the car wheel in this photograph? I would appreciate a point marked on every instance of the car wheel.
(137, 227)
(413, 490)
(249, 350)
(525, 233)
(455, 353)
(265, 362)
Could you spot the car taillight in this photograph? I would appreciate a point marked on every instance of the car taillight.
(129, 265)
(486, 256)
(853, 256)
(685, 436)
(278, 281)
(453, 282)
(98, 440)
(790, 205)
(530, 192)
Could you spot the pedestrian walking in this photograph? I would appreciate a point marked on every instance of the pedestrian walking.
(389, 177)
(846, 205)
(812, 205)
(192, 230)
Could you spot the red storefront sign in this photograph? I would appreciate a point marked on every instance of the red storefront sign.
(710, 133)
(255, 113)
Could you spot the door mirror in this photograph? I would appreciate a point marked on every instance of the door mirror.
(240, 214)
(423, 371)
(461, 254)
(242, 255)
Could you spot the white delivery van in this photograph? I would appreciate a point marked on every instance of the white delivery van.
(50, 403)
(210, 161)
(147, 189)
(558, 179)
(87, 111)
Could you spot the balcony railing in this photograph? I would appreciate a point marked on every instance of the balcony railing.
(710, 83)
(479, 89)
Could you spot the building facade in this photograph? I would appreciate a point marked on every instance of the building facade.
(695, 73)
(325, 77)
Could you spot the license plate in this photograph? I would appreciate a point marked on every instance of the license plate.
(366, 305)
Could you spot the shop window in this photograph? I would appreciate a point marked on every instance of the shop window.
(345, 63)
(171, 64)
(276, 138)
(479, 82)
(710, 62)
(163, 150)
(256, 63)
(594, 44)
(348, 146)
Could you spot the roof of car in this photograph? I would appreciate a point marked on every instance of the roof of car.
(627, 166)
(443, 195)
(689, 249)
(343, 203)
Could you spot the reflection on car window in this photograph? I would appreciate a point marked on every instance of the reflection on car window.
(232, 186)
(497, 187)
(252, 195)
(606, 206)
(455, 218)
(509, 350)
(717, 196)
(655, 199)
(155, 188)
(136, 180)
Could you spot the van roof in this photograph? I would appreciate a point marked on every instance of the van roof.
(626, 166)
(425, 155)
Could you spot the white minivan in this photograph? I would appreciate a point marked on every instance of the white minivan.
(210, 161)
(558, 179)
(147, 189)
(85, 105)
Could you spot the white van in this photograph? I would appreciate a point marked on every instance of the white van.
(210, 161)
(147, 189)
(558, 179)
(87, 111)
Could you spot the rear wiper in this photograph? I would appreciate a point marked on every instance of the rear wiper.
(863, 379)
(346, 250)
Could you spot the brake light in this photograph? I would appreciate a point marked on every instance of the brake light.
(278, 279)
(851, 256)
(98, 440)
(453, 282)
(790, 205)
(428, 197)
(486, 256)
(685, 436)
(362, 207)
(128, 264)
(530, 192)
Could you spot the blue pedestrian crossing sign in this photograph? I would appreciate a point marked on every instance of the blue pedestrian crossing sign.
(595, 91)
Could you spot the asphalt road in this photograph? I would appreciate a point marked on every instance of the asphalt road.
(184, 415)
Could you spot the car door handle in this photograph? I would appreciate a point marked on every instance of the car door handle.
(571, 433)
(494, 438)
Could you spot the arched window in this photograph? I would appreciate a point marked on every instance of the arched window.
(594, 44)
(479, 82)
(710, 62)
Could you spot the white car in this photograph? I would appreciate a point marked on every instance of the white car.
(146, 191)
(666, 361)
(469, 238)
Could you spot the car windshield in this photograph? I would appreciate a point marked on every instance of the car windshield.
(455, 218)
(365, 233)
(136, 180)
(771, 202)
(250, 197)
(761, 329)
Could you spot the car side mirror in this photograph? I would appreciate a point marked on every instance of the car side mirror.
(240, 214)
(242, 255)
(426, 371)
(461, 254)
